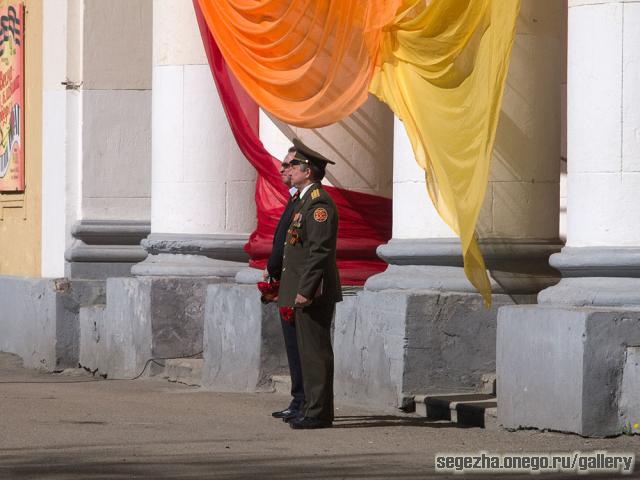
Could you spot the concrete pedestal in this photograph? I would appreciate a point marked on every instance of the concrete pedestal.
(243, 343)
(151, 317)
(567, 368)
(392, 344)
(39, 319)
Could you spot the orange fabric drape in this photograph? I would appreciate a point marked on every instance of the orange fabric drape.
(307, 62)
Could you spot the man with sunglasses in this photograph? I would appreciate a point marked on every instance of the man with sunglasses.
(310, 283)
(274, 271)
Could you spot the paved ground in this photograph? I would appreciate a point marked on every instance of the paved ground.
(75, 427)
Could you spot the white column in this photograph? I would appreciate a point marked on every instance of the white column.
(603, 146)
(604, 124)
(518, 222)
(414, 216)
(57, 199)
(202, 186)
(101, 136)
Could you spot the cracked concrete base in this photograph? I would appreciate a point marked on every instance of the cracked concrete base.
(570, 369)
(393, 344)
(149, 317)
(243, 342)
(39, 318)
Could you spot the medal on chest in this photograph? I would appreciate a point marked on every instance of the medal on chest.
(294, 235)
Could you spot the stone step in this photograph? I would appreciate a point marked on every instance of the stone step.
(281, 383)
(481, 414)
(184, 370)
(438, 406)
(465, 409)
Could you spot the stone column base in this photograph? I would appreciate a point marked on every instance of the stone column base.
(185, 255)
(148, 317)
(572, 369)
(243, 343)
(392, 344)
(105, 248)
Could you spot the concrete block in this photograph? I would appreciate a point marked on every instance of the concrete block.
(630, 388)
(152, 317)
(39, 319)
(561, 368)
(243, 343)
(392, 344)
(127, 327)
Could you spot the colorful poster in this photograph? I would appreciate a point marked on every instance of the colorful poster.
(11, 96)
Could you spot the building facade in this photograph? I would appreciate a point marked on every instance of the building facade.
(127, 243)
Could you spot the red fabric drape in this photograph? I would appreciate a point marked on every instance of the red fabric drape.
(365, 220)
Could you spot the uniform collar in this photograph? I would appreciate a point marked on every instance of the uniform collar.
(304, 190)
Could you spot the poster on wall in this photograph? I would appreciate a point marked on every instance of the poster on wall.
(11, 96)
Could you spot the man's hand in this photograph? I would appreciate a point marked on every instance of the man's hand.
(302, 301)
(265, 274)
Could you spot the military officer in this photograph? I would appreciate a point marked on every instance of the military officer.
(274, 270)
(310, 283)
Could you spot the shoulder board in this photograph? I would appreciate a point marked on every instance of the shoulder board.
(315, 194)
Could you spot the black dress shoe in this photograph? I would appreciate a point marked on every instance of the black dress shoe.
(286, 414)
(309, 423)
(298, 416)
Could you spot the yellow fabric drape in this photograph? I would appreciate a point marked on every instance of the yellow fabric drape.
(308, 62)
(443, 65)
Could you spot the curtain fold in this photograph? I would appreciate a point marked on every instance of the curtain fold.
(359, 233)
(308, 62)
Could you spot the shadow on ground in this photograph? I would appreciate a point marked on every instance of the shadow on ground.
(370, 421)
(31, 465)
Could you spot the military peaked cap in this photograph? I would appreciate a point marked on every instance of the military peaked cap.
(305, 153)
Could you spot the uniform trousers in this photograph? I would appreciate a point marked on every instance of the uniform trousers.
(313, 328)
(295, 370)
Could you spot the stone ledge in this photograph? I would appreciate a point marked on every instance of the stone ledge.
(598, 262)
(515, 267)
(111, 232)
(228, 247)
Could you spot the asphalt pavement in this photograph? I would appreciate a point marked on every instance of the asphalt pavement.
(75, 426)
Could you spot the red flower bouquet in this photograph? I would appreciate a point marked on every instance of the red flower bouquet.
(287, 314)
(269, 291)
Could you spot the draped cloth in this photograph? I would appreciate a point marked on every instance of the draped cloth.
(442, 71)
(365, 220)
(440, 65)
(308, 62)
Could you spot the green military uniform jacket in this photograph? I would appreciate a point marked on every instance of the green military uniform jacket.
(309, 262)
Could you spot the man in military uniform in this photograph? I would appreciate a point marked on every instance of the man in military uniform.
(310, 283)
(274, 270)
